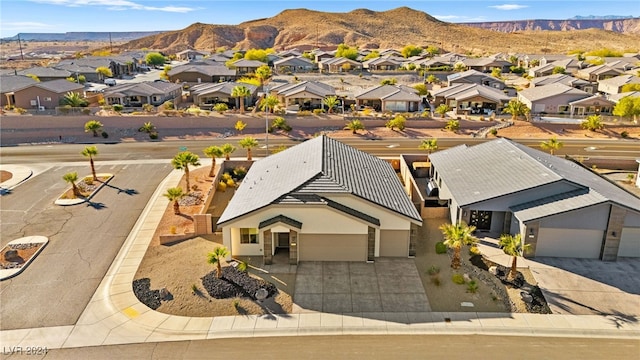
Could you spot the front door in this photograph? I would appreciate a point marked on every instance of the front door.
(283, 240)
(481, 219)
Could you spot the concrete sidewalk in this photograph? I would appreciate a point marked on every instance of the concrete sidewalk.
(115, 316)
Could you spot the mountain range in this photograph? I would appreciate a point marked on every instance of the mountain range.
(82, 36)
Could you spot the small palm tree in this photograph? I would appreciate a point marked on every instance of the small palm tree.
(269, 103)
(94, 126)
(552, 145)
(330, 102)
(213, 152)
(71, 178)
(513, 246)
(452, 125)
(263, 73)
(90, 152)
(456, 236)
(429, 145)
(73, 99)
(248, 143)
(147, 127)
(227, 150)
(354, 125)
(240, 125)
(516, 108)
(592, 123)
(442, 110)
(216, 257)
(174, 194)
(240, 92)
(182, 162)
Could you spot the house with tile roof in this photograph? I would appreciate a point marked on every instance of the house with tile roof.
(138, 94)
(556, 99)
(304, 95)
(486, 64)
(398, 98)
(382, 64)
(46, 73)
(339, 64)
(191, 54)
(195, 73)
(475, 77)
(320, 200)
(10, 84)
(473, 98)
(244, 66)
(208, 94)
(45, 94)
(614, 85)
(565, 79)
(598, 73)
(293, 64)
(559, 207)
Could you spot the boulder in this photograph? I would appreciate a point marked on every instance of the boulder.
(11, 255)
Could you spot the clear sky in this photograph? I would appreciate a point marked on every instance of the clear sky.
(141, 15)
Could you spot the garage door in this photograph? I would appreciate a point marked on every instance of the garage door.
(576, 243)
(350, 247)
(394, 243)
(629, 242)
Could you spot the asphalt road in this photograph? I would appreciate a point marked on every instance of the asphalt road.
(83, 240)
(352, 347)
(29, 154)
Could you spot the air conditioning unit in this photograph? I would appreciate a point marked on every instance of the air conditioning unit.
(41, 108)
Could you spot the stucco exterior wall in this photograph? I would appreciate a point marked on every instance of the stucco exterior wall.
(591, 218)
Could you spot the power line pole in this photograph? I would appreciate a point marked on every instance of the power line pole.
(20, 45)
(110, 44)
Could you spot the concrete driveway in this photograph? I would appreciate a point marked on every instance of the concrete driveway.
(388, 285)
(588, 287)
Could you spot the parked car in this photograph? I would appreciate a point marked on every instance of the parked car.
(110, 82)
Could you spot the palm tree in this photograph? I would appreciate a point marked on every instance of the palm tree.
(215, 258)
(182, 162)
(248, 143)
(174, 194)
(429, 145)
(513, 246)
(354, 125)
(227, 150)
(90, 152)
(442, 109)
(71, 178)
(241, 92)
(269, 103)
(592, 123)
(73, 99)
(516, 108)
(263, 73)
(552, 145)
(93, 126)
(455, 236)
(240, 125)
(147, 127)
(213, 152)
(330, 102)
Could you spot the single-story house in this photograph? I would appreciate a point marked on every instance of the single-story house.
(614, 85)
(244, 66)
(398, 98)
(381, 64)
(565, 79)
(475, 77)
(595, 104)
(617, 97)
(304, 95)
(320, 200)
(598, 73)
(486, 64)
(198, 73)
(293, 64)
(190, 54)
(472, 98)
(213, 93)
(340, 64)
(46, 73)
(46, 94)
(10, 84)
(546, 67)
(553, 99)
(559, 207)
(138, 94)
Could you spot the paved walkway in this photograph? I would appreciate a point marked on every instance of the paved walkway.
(115, 316)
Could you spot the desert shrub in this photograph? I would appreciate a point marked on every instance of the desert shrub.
(318, 111)
(105, 134)
(222, 186)
(173, 229)
(20, 110)
(168, 105)
(240, 172)
(281, 123)
(433, 270)
(441, 248)
(452, 125)
(457, 279)
(242, 266)
(220, 107)
(138, 113)
(153, 135)
(624, 134)
(304, 113)
(474, 250)
(86, 111)
(226, 176)
(435, 280)
(194, 187)
(472, 286)
(231, 183)
(194, 288)
(117, 107)
(494, 132)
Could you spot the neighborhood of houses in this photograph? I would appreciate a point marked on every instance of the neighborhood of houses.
(558, 207)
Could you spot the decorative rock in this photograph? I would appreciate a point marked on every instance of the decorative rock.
(164, 293)
(493, 270)
(11, 255)
(466, 277)
(526, 297)
(466, 304)
(261, 294)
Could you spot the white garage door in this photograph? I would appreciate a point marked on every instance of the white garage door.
(629, 242)
(576, 243)
(332, 247)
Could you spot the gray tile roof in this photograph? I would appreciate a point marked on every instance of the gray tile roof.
(60, 86)
(462, 91)
(558, 78)
(9, 83)
(320, 166)
(210, 70)
(145, 88)
(280, 218)
(547, 91)
(248, 63)
(314, 87)
(501, 167)
(224, 87)
(557, 204)
(41, 71)
(621, 80)
(314, 199)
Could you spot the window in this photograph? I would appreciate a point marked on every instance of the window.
(47, 99)
(248, 236)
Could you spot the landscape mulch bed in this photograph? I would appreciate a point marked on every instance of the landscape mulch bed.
(235, 283)
(23, 253)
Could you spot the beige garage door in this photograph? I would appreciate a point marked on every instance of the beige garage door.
(312, 247)
(576, 243)
(629, 242)
(394, 243)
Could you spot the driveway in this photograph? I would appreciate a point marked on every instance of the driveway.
(587, 287)
(387, 285)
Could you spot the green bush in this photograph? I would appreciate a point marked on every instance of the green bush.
(435, 280)
(220, 107)
(457, 279)
(318, 111)
(105, 135)
(472, 286)
(433, 270)
(441, 248)
(86, 111)
(304, 113)
(494, 132)
(624, 134)
(239, 172)
(153, 135)
(117, 107)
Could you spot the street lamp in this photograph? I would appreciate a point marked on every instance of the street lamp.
(266, 130)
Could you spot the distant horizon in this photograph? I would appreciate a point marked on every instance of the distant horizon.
(69, 16)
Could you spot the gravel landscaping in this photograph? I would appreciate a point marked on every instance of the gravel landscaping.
(235, 283)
